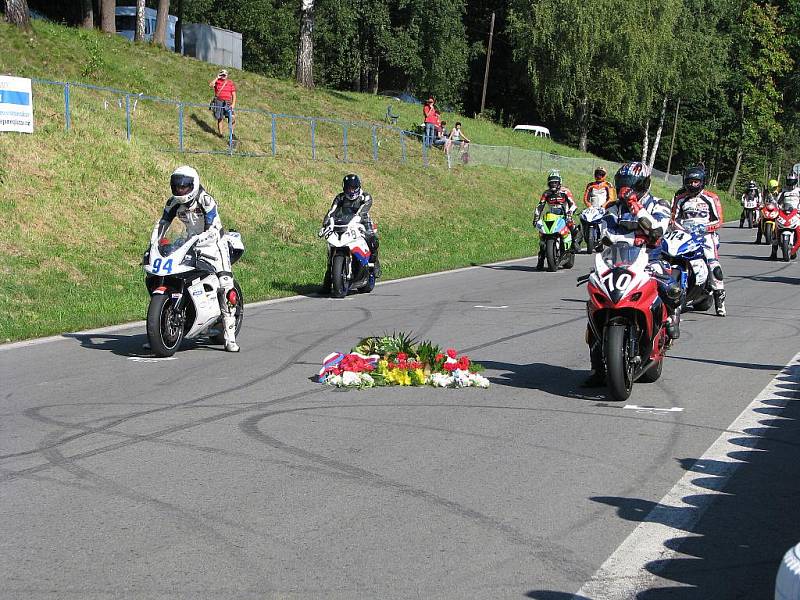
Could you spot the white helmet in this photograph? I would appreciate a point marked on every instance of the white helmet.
(185, 184)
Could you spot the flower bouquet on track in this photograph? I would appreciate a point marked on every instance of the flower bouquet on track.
(396, 359)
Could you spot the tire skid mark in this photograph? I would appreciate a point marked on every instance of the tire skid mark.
(522, 334)
(34, 413)
(549, 553)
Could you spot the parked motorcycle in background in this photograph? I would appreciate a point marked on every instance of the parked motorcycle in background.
(555, 239)
(348, 253)
(591, 219)
(766, 224)
(184, 289)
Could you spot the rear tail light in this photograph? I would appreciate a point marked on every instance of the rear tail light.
(232, 297)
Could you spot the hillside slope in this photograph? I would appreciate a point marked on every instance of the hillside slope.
(79, 204)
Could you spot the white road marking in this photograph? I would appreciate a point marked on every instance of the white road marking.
(482, 306)
(150, 359)
(653, 409)
(623, 574)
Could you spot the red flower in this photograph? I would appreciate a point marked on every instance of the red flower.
(402, 356)
(439, 357)
(450, 366)
(463, 363)
(451, 352)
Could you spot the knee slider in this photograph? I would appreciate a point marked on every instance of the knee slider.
(717, 271)
(225, 280)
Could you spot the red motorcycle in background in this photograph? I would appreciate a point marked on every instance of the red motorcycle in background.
(628, 316)
(766, 225)
(787, 222)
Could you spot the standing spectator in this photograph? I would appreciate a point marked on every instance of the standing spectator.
(224, 100)
(431, 119)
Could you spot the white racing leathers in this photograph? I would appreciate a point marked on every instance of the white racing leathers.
(704, 208)
(201, 218)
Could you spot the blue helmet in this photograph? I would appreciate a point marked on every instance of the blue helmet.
(694, 180)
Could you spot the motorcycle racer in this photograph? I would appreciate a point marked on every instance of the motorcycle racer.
(635, 202)
(693, 201)
(197, 210)
(599, 193)
(352, 196)
(751, 194)
(555, 195)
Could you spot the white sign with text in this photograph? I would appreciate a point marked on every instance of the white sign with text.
(16, 104)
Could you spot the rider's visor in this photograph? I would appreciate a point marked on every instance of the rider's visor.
(352, 192)
(181, 184)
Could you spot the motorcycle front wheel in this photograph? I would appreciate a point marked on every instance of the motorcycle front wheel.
(785, 249)
(339, 279)
(768, 234)
(591, 241)
(550, 254)
(619, 368)
(164, 325)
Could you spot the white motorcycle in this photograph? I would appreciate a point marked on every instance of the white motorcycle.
(592, 231)
(348, 254)
(184, 289)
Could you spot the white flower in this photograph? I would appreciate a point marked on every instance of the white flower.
(351, 378)
(440, 380)
(334, 380)
(461, 378)
(478, 380)
(367, 380)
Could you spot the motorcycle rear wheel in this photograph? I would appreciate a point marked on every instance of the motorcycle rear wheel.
(619, 371)
(550, 254)
(164, 327)
(338, 277)
(704, 304)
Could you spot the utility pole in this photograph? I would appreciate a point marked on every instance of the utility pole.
(672, 143)
(486, 72)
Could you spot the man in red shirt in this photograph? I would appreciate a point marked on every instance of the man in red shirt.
(224, 99)
(431, 121)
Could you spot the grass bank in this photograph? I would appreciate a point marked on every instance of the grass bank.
(79, 204)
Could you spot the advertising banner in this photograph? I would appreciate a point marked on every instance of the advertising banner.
(16, 104)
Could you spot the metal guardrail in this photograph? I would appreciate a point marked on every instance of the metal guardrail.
(343, 141)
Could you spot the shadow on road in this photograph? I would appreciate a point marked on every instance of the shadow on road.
(525, 268)
(552, 379)
(750, 520)
(727, 363)
(310, 290)
(126, 345)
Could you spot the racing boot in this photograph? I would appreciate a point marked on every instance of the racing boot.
(229, 323)
(719, 302)
(597, 378)
(375, 262)
(774, 254)
(540, 261)
(674, 325)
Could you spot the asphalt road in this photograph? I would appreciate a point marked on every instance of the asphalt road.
(213, 475)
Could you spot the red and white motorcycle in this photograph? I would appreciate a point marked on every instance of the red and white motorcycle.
(628, 316)
(786, 224)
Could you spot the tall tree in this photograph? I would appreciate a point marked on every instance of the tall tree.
(138, 35)
(17, 13)
(304, 66)
(108, 10)
(87, 14)
(162, 18)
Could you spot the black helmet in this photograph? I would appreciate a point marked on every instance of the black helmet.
(633, 176)
(791, 181)
(694, 180)
(351, 186)
(752, 185)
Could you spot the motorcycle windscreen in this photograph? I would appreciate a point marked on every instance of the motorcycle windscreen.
(343, 215)
(621, 254)
(173, 238)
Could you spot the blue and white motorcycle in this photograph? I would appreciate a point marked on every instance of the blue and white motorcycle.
(684, 250)
(591, 222)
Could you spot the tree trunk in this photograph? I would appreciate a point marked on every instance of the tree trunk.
(373, 84)
(646, 141)
(87, 14)
(657, 141)
(672, 143)
(739, 153)
(107, 16)
(583, 124)
(162, 18)
(304, 68)
(138, 36)
(179, 28)
(17, 13)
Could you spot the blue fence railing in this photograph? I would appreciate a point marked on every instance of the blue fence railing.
(257, 132)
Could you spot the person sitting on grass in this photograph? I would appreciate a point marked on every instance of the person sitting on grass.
(224, 100)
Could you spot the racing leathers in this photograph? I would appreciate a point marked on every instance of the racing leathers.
(704, 208)
(653, 215)
(360, 204)
(599, 194)
(200, 217)
(750, 200)
(562, 197)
